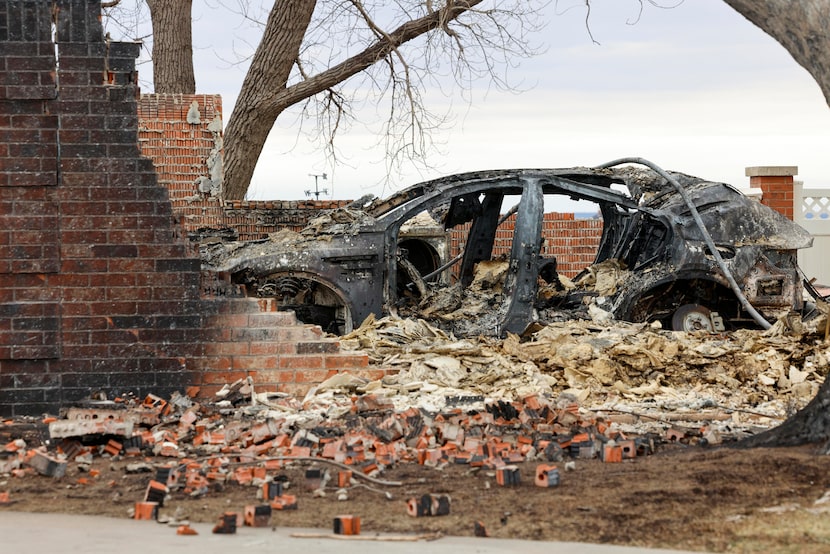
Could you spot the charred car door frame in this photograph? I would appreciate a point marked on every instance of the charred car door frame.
(521, 282)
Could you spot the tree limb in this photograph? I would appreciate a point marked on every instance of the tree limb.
(385, 45)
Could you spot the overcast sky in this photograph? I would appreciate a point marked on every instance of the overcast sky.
(696, 89)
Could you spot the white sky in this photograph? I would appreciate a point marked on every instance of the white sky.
(696, 89)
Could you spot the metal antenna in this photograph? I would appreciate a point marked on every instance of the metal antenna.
(316, 192)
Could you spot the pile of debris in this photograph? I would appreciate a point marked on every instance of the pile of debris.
(243, 433)
(759, 377)
(573, 390)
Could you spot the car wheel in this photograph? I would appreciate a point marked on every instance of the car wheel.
(692, 317)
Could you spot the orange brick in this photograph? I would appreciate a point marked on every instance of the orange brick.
(243, 475)
(611, 453)
(146, 510)
(284, 502)
(508, 476)
(629, 448)
(546, 476)
(347, 525)
(344, 479)
(258, 516)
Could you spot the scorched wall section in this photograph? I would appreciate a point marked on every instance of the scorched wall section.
(99, 289)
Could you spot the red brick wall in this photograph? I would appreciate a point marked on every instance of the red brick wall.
(99, 289)
(187, 155)
(181, 151)
(776, 184)
(572, 241)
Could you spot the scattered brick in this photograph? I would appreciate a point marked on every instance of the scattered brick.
(284, 502)
(168, 475)
(344, 479)
(156, 492)
(429, 505)
(271, 490)
(611, 453)
(258, 516)
(547, 476)
(146, 510)
(629, 448)
(347, 525)
(113, 447)
(46, 464)
(508, 476)
(313, 478)
(479, 530)
(217, 442)
(227, 524)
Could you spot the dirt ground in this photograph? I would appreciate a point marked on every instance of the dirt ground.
(693, 498)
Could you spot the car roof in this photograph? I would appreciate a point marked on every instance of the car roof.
(578, 183)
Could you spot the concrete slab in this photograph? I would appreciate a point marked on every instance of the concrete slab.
(27, 532)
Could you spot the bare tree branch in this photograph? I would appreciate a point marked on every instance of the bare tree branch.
(347, 39)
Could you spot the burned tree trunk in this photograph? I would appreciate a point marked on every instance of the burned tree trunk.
(172, 46)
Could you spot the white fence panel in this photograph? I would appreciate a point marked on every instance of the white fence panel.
(812, 211)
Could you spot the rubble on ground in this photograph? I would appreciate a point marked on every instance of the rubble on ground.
(575, 390)
(613, 367)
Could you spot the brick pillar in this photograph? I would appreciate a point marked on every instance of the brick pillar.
(776, 184)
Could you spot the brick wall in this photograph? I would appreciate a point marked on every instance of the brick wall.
(182, 134)
(573, 242)
(776, 184)
(256, 219)
(99, 288)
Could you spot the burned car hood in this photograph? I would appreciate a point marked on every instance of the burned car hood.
(729, 216)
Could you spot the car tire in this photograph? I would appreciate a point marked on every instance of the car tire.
(692, 317)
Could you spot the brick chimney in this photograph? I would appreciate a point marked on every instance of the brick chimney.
(776, 184)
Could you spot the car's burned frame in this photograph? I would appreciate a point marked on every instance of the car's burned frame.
(698, 253)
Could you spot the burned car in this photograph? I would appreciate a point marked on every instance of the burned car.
(689, 253)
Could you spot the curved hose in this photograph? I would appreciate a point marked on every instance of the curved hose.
(750, 309)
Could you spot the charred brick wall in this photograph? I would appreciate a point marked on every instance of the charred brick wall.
(256, 219)
(99, 289)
